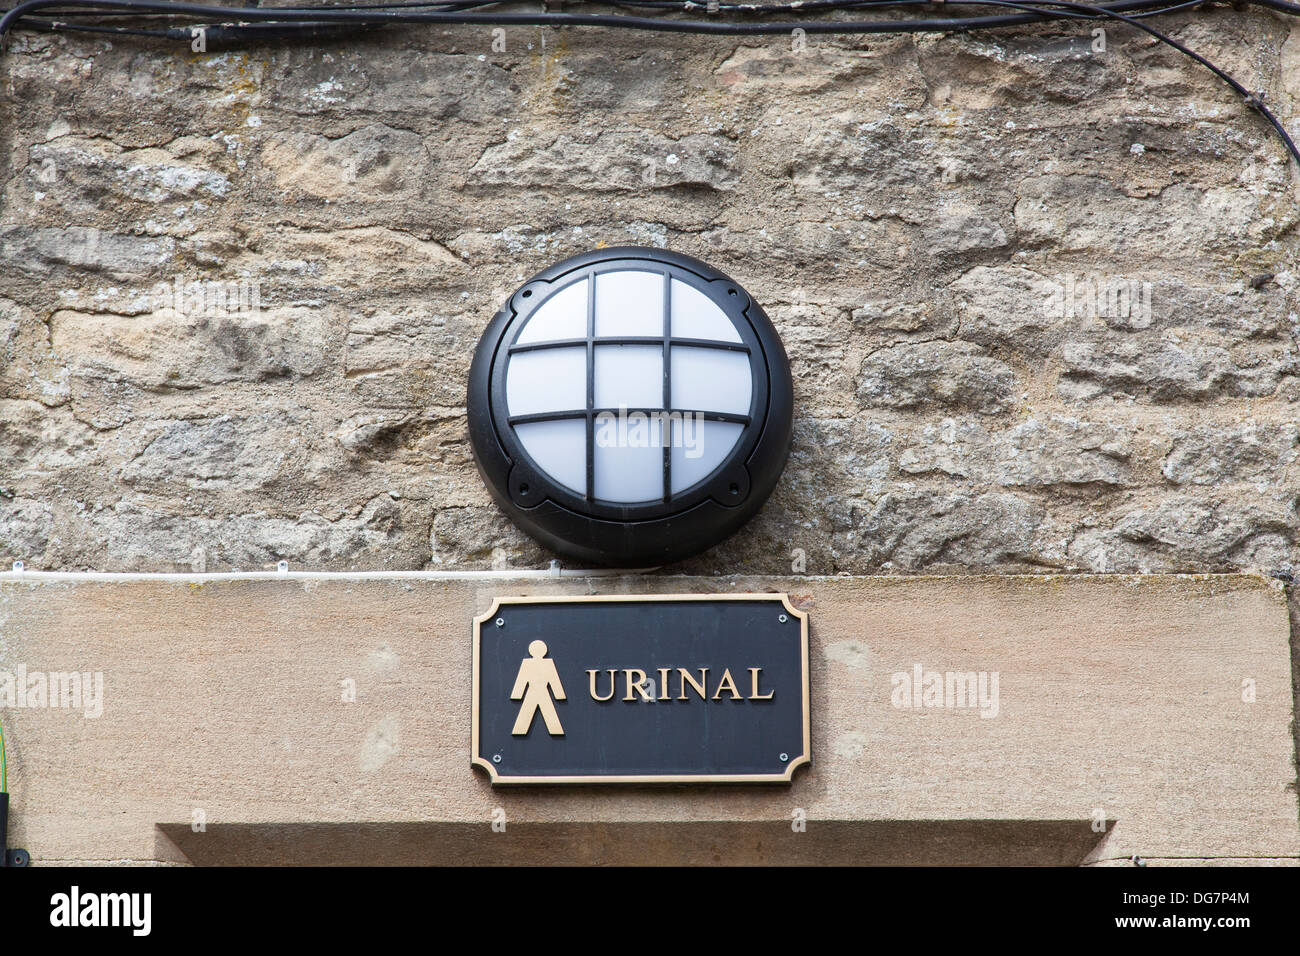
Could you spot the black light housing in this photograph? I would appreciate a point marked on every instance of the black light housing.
(596, 356)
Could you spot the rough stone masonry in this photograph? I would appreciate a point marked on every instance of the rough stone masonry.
(1038, 290)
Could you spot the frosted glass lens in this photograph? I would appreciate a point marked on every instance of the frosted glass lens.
(629, 458)
(562, 316)
(558, 448)
(629, 302)
(629, 375)
(699, 447)
(711, 380)
(694, 316)
(548, 380)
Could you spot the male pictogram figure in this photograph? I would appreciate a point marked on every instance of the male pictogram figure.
(537, 679)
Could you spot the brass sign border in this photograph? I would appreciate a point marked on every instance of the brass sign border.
(798, 761)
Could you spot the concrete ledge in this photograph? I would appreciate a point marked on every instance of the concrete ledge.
(827, 843)
(1120, 698)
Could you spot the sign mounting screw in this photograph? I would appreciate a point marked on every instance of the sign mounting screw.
(782, 618)
(496, 758)
(784, 758)
(501, 622)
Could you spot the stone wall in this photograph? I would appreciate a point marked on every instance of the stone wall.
(1038, 297)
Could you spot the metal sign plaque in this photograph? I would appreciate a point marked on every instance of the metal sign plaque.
(683, 688)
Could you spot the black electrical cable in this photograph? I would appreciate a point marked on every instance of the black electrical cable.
(8, 857)
(453, 13)
(231, 35)
(248, 32)
(679, 6)
(4, 801)
(1143, 8)
(59, 26)
(254, 31)
(694, 6)
(310, 17)
(1252, 99)
(544, 18)
(217, 35)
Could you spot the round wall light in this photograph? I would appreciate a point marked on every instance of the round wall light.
(630, 407)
